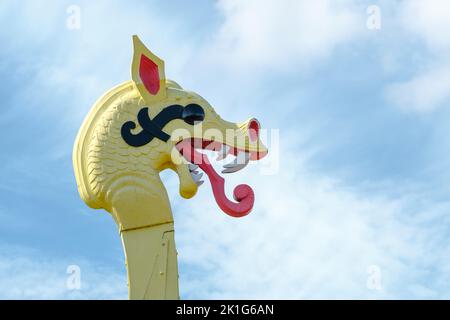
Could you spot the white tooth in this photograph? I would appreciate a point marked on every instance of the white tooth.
(230, 170)
(242, 158)
(197, 177)
(224, 152)
(241, 161)
(199, 183)
(193, 167)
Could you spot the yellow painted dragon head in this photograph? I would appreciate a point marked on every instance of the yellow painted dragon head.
(150, 124)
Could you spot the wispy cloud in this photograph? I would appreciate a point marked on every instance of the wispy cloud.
(28, 274)
(425, 92)
(280, 35)
(429, 88)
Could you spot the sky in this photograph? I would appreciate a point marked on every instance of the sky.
(352, 201)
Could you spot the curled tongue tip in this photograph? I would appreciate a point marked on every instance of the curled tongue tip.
(243, 193)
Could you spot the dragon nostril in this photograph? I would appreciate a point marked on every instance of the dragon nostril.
(253, 130)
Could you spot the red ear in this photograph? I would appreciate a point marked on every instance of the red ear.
(148, 72)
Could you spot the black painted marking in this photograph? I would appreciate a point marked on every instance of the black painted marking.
(191, 114)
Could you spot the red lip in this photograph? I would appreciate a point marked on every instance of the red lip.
(243, 194)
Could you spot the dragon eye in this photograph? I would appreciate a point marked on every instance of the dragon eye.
(193, 113)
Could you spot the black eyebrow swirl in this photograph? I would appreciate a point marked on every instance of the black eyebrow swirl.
(152, 128)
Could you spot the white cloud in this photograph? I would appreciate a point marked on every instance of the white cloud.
(275, 35)
(429, 87)
(423, 93)
(27, 274)
(429, 19)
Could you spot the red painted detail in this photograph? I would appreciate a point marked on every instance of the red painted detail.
(253, 130)
(148, 71)
(243, 193)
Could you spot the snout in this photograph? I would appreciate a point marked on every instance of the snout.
(250, 140)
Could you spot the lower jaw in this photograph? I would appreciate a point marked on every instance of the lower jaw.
(242, 194)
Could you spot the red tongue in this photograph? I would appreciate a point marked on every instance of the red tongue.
(243, 193)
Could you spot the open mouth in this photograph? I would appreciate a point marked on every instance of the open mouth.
(243, 194)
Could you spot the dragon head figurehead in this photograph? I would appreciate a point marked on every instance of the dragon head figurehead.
(133, 132)
(156, 118)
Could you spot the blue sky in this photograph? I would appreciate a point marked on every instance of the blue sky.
(362, 178)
